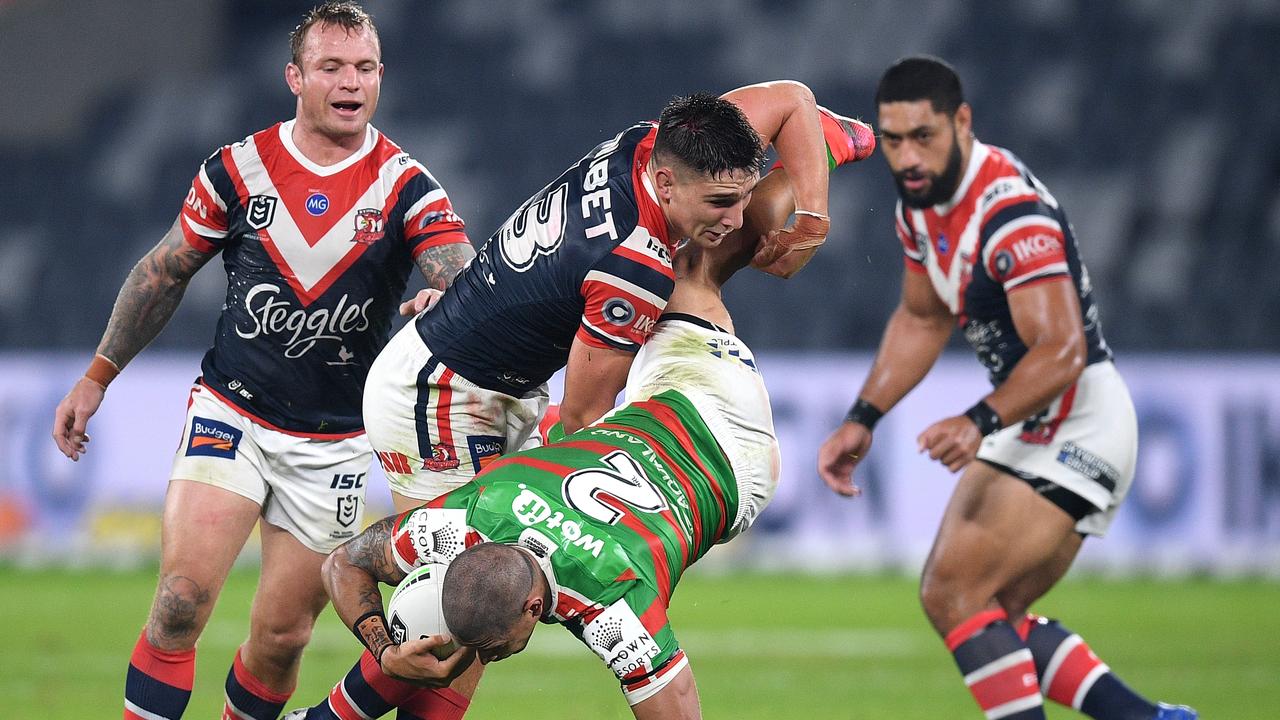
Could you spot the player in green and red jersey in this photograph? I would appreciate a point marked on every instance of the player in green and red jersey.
(592, 532)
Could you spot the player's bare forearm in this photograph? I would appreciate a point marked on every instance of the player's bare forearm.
(908, 350)
(592, 380)
(785, 114)
(352, 572)
(1047, 319)
(442, 263)
(150, 295)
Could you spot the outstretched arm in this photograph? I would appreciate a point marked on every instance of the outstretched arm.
(146, 301)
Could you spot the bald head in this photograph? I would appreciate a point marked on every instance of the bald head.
(485, 589)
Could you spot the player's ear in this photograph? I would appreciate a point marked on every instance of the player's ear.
(964, 120)
(534, 606)
(293, 77)
(664, 181)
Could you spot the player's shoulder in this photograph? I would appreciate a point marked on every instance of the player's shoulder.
(1005, 185)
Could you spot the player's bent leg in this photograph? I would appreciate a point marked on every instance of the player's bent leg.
(203, 529)
(290, 596)
(1070, 673)
(996, 529)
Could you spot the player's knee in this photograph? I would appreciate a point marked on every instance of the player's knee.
(280, 642)
(943, 599)
(179, 612)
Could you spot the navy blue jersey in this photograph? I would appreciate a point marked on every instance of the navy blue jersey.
(588, 256)
(316, 259)
(1002, 230)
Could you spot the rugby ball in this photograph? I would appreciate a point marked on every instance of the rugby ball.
(415, 610)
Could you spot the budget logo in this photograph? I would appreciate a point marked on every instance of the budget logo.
(211, 438)
(484, 449)
(260, 211)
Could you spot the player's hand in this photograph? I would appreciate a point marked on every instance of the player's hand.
(784, 252)
(840, 454)
(413, 662)
(424, 300)
(954, 442)
(72, 417)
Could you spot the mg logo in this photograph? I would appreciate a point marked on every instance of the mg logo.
(317, 204)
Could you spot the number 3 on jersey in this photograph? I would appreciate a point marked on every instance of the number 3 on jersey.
(536, 229)
(626, 482)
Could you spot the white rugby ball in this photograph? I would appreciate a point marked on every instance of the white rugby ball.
(415, 610)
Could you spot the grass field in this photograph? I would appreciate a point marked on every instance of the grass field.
(761, 646)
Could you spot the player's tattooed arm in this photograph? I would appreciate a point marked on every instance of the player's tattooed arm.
(150, 295)
(352, 572)
(442, 263)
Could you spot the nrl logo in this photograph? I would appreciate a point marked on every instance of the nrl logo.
(261, 211)
(348, 509)
(368, 226)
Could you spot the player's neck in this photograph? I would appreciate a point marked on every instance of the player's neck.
(323, 149)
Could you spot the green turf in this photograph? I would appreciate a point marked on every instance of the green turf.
(761, 646)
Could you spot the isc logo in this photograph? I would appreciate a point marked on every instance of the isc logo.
(347, 482)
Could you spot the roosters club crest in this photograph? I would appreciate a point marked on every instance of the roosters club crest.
(368, 226)
(442, 458)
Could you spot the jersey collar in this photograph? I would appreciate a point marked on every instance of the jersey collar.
(286, 139)
(977, 157)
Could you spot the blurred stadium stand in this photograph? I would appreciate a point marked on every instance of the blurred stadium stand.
(1158, 129)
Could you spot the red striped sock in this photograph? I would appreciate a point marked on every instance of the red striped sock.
(434, 704)
(248, 698)
(158, 684)
(997, 666)
(1072, 675)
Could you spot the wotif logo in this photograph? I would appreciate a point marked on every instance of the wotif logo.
(318, 203)
(272, 315)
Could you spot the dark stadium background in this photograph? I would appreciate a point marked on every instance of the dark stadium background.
(1156, 124)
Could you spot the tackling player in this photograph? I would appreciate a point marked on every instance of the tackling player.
(579, 274)
(600, 525)
(1055, 442)
(319, 221)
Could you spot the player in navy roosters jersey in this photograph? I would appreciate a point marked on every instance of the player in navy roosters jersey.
(988, 247)
(319, 221)
(579, 273)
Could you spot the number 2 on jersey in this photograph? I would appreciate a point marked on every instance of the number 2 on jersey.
(626, 482)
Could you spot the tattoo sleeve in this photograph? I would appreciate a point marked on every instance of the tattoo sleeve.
(150, 295)
(353, 571)
(441, 264)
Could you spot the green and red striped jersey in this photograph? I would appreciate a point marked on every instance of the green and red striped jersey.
(616, 511)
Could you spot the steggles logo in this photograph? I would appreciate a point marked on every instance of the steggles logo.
(274, 316)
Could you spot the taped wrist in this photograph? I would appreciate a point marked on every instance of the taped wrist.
(102, 371)
(371, 630)
(864, 413)
(987, 419)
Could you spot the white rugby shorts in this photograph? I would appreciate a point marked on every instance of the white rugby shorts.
(1086, 442)
(311, 487)
(432, 429)
(717, 373)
